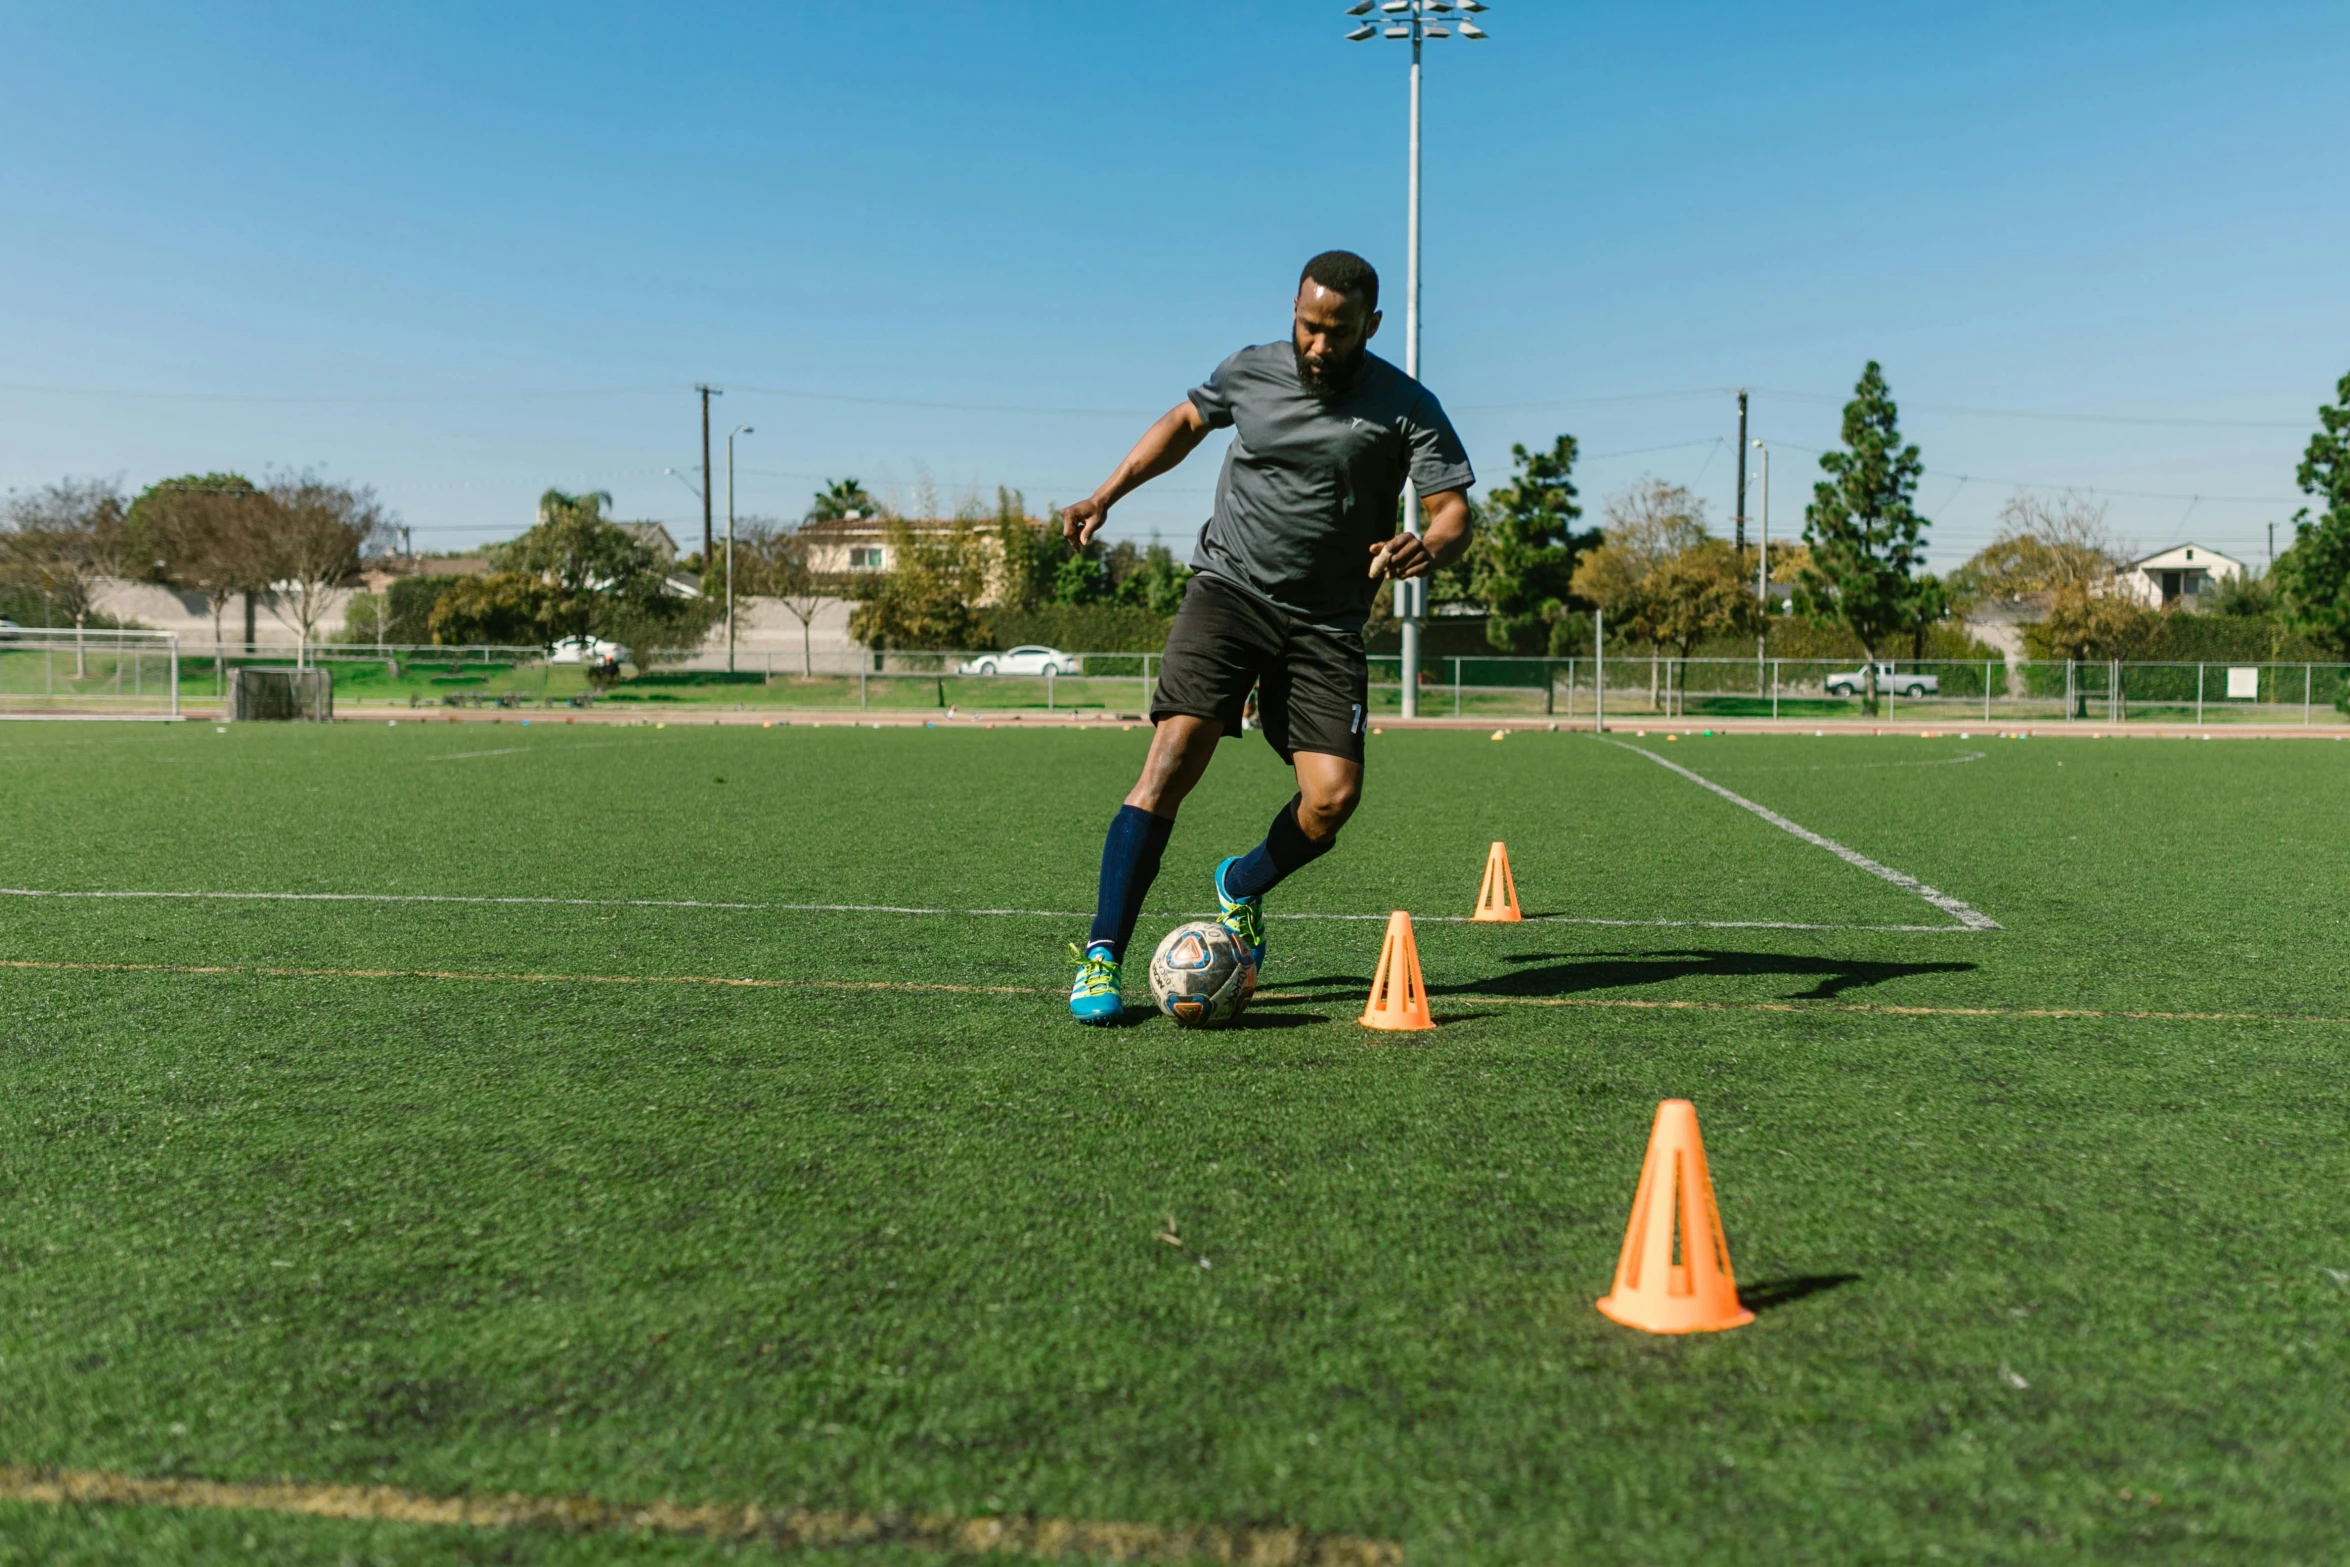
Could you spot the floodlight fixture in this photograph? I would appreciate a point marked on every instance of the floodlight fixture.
(1359, 7)
(1472, 30)
(1399, 32)
(1361, 33)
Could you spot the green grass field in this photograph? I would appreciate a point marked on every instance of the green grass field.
(2038, 1288)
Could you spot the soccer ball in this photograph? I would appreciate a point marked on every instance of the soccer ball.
(1200, 976)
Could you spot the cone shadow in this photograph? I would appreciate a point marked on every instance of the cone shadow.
(1770, 1294)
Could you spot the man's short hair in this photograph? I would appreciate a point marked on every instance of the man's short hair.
(1344, 272)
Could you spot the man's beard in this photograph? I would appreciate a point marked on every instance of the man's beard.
(1336, 374)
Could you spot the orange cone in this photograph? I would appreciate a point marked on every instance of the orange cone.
(1497, 898)
(1399, 997)
(1675, 1206)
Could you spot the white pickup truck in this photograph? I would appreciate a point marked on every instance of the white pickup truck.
(1854, 682)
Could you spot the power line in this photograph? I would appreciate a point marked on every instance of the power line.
(2053, 417)
(951, 406)
(2085, 489)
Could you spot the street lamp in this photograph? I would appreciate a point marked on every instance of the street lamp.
(1762, 567)
(1415, 21)
(740, 429)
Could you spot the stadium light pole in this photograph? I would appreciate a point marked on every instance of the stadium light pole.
(1416, 22)
(1762, 564)
(740, 429)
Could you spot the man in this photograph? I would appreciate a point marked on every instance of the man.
(1303, 533)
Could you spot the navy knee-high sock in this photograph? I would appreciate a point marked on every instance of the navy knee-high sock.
(1286, 848)
(1130, 863)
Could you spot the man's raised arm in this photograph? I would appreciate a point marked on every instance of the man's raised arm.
(1165, 444)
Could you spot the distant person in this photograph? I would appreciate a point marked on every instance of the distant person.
(1324, 434)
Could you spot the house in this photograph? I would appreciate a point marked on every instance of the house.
(843, 549)
(2180, 576)
(655, 538)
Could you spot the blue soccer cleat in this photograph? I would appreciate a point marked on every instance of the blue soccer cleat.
(1094, 998)
(1243, 917)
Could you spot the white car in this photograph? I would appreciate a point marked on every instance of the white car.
(1854, 682)
(587, 650)
(1023, 661)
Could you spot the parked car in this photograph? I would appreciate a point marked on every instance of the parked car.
(1023, 661)
(8, 628)
(586, 650)
(1853, 682)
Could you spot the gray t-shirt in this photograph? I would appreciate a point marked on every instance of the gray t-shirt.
(1310, 483)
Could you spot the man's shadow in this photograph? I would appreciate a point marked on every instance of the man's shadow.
(1562, 975)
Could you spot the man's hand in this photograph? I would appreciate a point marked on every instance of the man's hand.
(1079, 523)
(1409, 555)
(1400, 557)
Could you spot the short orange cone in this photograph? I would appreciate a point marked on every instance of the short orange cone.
(1497, 898)
(1675, 1206)
(1399, 997)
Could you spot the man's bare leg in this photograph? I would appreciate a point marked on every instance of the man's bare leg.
(1181, 747)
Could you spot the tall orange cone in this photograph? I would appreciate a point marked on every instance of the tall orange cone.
(1399, 997)
(1675, 1209)
(1497, 897)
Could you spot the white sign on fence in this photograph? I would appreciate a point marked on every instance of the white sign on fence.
(2243, 685)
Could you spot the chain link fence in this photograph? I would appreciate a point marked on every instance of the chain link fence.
(151, 672)
(57, 671)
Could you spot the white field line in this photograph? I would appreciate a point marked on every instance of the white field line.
(550, 746)
(1968, 917)
(906, 909)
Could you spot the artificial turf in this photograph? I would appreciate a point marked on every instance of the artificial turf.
(2038, 1288)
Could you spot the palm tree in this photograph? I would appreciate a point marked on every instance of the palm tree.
(841, 499)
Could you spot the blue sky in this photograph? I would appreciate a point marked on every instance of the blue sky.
(465, 252)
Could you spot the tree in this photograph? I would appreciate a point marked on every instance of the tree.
(1522, 564)
(1647, 525)
(842, 500)
(927, 597)
(61, 543)
(1146, 578)
(1700, 592)
(588, 576)
(207, 531)
(2082, 625)
(2044, 545)
(318, 532)
(499, 608)
(1867, 542)
(2313, 576)
(774, 563)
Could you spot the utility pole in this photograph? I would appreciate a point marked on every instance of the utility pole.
(708, 542)
(2272, 546)
(1739, 511)
(1413, 21)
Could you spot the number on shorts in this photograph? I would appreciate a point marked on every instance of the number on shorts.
(1358, 723)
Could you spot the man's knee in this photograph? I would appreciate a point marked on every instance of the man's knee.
(1324, 804)
(1179, 753)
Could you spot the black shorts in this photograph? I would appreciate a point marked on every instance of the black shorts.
(1312, 685)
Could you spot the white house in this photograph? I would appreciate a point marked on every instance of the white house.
(2180, 575)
